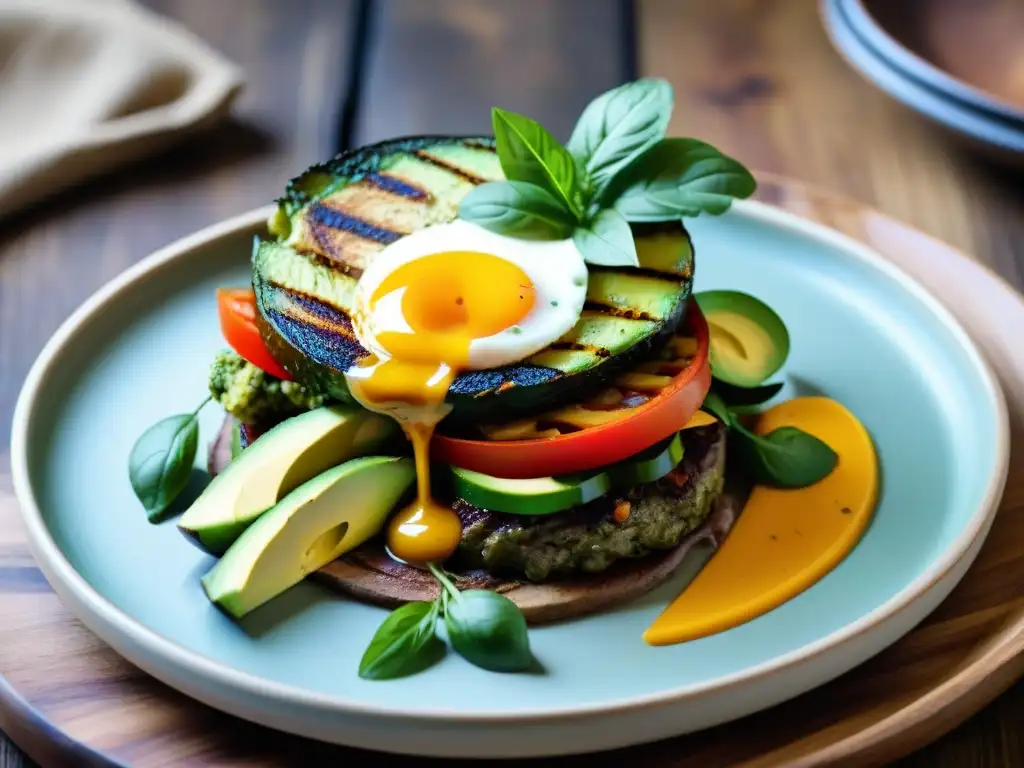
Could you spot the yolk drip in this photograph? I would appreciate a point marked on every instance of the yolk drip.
(423, 318)
(786, 539)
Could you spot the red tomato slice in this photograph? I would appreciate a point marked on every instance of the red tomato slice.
(655, 420)
(237, 310)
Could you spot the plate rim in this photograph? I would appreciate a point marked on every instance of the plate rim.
(919, 68)
(912, 94)
(63, 575)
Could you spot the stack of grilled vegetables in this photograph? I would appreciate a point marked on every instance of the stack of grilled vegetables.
(575, 423)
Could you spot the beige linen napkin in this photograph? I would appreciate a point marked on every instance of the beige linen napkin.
(87, 85)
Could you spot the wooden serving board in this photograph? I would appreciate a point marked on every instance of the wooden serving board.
(67, 699)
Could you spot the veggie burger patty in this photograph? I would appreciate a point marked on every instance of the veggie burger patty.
(589, 538)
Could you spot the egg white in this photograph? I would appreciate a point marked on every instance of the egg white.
(555, 267)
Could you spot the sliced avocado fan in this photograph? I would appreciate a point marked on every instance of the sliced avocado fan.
(296, 450)
(313, 525)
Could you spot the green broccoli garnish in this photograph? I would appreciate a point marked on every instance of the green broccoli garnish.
(253, 396)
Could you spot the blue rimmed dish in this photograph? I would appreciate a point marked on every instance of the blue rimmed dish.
(863, 332)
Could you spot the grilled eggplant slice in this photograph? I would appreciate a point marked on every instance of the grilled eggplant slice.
(336, 216)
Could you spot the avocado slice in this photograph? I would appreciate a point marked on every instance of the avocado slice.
(749, 341)
(546, 495)
(313, 525)
(283, 458)
(338, 215)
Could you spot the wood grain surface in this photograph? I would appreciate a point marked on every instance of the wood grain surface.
(756, 77)
(541, 58)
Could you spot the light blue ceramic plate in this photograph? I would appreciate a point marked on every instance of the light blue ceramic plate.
(862, 332)
(962, 118)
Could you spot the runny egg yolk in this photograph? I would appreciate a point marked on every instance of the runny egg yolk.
(421, 321)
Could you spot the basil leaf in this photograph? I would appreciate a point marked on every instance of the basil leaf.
(619, 126)
(488, 630)
(529, 153)
(714, 405)
(404, 644)
(161, 462)
(607, 241)
(736, 396)
(518, 209)
(679, 178)
(789, 457)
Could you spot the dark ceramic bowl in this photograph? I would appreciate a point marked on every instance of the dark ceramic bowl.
(996, 138)
(971, 50)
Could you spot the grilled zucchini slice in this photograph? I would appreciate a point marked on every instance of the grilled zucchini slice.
(335, 217)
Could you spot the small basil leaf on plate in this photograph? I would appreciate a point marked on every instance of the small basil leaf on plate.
(405, 643)
(527, 152)
(161, 462)
(679, 178)
(789, 457)
(607, 241)
(739, 397)
(518, 209)
(488, 630)
(619, 126)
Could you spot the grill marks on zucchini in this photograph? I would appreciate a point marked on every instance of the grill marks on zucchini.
(323, 332)
(345, 239)
(625, 305)
(345, 211)
(397, 186)
(602, 335)
(350, 222)
(328, 217)
(440, 162)
(577, 347)
(625, 312)
(640, 294)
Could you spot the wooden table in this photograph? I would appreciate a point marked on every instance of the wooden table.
(756, 77)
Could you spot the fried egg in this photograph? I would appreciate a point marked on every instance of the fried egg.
(450, 298)
(497, 298)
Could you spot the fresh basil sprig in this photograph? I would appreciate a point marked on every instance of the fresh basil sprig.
(617, 168)
(787, 457)
(607, 240)
(619, 126)
(161, 461)
(519, 209)
(405, 643)
(484, 627)
(529, 153)
(679, 178)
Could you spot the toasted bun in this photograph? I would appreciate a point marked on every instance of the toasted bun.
(370, 575)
